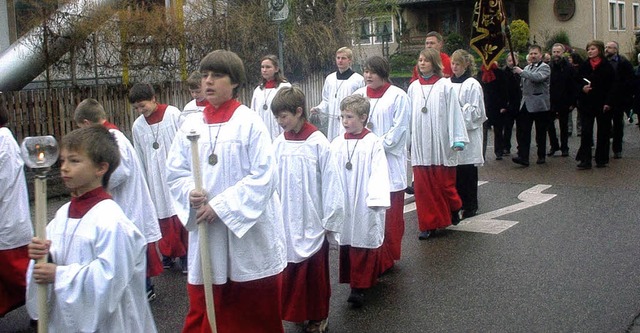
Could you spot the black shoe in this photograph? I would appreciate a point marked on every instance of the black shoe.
(409, 190)
(356, 298)
(467, 213)
(151, 294)
(552, 151)
(584, 166)
(540, 161)
(617, 156)
(520, 161)
(565, 153)
(424, 234)
(498, 157)
(456, 216)
(506, 152)
(601, 165)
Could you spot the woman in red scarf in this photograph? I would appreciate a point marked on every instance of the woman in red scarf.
(596, 80)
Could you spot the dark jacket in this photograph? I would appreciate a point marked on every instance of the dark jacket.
(514, 93)
(602, 79)
(495, 94)
(623, 85)
(563, 89)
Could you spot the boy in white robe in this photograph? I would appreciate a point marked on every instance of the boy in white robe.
(128, 186)
(389, 119)
(238, 204)
(365, 180)
(471, 100)
(312, 207)
(337, 86)
(198, 102)
(272, 81)
(96, 270)
(153, 132)
(15, 222)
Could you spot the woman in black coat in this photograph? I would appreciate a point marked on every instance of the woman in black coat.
(594, 104)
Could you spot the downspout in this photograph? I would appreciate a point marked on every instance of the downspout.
(594, 19)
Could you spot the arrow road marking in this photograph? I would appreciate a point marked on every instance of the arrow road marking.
(488, 222)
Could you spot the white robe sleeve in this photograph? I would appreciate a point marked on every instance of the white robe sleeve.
(379, 187)
(472, 101)
(394, 140)
(458, 132)
(333, 197)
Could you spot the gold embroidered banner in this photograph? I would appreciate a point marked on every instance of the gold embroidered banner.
(487, 37)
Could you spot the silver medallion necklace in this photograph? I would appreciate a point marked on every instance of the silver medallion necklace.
(426, 99)
(266, 96)
(155, 144)
(213, 158)
(349, 166)
(64, 239)
(370, 123)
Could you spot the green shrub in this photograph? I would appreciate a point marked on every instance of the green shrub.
(559, 37)
(519, 35)
(454, 41)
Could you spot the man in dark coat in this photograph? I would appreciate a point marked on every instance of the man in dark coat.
(514, 96)
(623, 93)
(495, 103)
(563, 92)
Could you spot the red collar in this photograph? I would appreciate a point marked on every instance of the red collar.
(221, 114)
(304, 133)
(378, 92)
(433, 79)
(109, 125)
(595, 62)
(361, 135)
(204, 102)
(157, 115)
(270, 84)
(81, 205)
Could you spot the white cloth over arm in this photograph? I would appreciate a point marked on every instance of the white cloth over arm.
(100, 278)
(390, 116)
(311, 192)
(471, 101)
(15, 222)
(366, 188)
(129, 190)
(247, 243)
(434, 132)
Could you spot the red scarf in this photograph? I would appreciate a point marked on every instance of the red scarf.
(109, 125)
(204, 102)
(157, 115)
(81, 205)
(378, 92)
(305, 131)
(222, 114)
(270, 84)
(433, 79)
(360, 135)
(487, 72)
(595, 62)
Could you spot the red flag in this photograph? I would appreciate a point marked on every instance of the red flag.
(487, 38)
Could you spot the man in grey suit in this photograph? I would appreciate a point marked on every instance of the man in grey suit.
(534, 107)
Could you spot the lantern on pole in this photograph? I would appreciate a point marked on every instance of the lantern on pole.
(40, 153)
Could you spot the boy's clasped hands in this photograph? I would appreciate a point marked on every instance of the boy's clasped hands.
(43, 273)
(198, 201)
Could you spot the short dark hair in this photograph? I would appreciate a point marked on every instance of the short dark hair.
(141, 92)
(599, 45)
(91, 110)
(225, 62)
(378, 65)
(98, 143)
(435, 34)
(289, 99)
(535, 46)
(194, 81)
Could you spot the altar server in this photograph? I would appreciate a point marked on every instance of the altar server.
(272, 81)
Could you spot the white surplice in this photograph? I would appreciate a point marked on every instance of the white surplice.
(154, 160)
(263, 97)
(248, 241)
(471, 100)
(15, 221)
(311, 192)
(390, 116)
(366, 188)
(193, 106)
(434, 132)
(100, 278)
(129, 189)
(333, 92)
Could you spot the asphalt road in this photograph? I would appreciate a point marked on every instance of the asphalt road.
(558, 258)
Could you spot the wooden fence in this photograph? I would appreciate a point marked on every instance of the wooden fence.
(50, 111)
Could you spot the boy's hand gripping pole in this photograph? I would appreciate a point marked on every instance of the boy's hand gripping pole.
(203, 237)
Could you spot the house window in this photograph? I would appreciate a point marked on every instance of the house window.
(617, 17)
(375, 30)
(636, 16)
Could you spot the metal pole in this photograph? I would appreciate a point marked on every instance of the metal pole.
(280, 46)
(40, 187)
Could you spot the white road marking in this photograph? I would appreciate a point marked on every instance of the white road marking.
(487, 222)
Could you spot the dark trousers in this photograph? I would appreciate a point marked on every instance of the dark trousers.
(602, 137)
(617, 130)
(502, 128)
(563, 122)
(467, 186)
(507, 129)
(524, 125)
